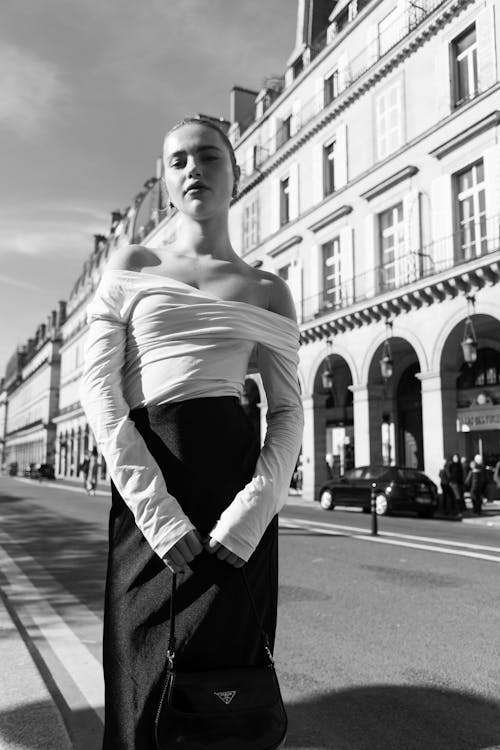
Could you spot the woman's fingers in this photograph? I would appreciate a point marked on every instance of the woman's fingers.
(212, 545)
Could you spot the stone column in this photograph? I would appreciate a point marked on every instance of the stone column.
(313, 447)
(439, 415)
(368, 410)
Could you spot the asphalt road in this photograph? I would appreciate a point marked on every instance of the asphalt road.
(384, 643)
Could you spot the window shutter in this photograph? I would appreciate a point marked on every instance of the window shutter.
(295, 123)
(343, 78)
(319, 94)
(295, 284)
(371, 44)
(249, 161)
(317, 173)
(341, 156)
(409, 266)
(293, 186)
(365, 260)
(273, 130)
(347, 265)
(314, 282)
(485, 30)
(442, 222)
(274, 204)
(492, 180)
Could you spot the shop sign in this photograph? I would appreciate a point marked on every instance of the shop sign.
(485, 418)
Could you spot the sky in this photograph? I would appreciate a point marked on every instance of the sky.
(87, 91)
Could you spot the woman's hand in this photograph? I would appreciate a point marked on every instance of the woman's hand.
(223, 553)
(181, 554)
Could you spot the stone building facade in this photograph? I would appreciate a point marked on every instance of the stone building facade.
(372, 184)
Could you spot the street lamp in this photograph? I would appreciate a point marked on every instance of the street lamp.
(469, 341)
(386, 363)
(327, 374)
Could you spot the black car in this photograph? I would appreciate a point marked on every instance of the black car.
(397, 488)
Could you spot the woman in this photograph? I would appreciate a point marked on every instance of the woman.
(92, 472)
(171, 331)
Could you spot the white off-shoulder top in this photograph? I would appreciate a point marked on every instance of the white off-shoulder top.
(154, 340)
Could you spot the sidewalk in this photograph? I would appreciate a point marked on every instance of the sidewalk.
(29, 718)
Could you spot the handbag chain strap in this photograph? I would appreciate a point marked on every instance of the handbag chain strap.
(171, 638)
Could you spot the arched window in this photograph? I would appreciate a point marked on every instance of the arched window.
(484, 372)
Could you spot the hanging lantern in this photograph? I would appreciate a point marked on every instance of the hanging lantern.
(386, 363)
(469, 341)
(327, 374)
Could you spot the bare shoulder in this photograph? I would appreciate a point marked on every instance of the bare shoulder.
(280, 297)
(129, 258)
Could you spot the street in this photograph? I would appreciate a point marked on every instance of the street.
(384, 643)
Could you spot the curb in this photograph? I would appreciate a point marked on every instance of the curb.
(29, 717)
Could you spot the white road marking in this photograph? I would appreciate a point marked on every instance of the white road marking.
(444, 546)
(40, 620)
(429, 548)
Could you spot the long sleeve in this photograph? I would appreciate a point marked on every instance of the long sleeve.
(133, 470)
(244, 522)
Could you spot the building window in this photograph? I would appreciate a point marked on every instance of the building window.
(471, 212)
(332, 274)
(285, 131)
(465, 75)
(284, 272)
(392, 245)
(284, 201)
(331, 87)
(329, 169)
(389, 32)
(484, 371)
(250, 234)
(342, 20)
(298, 67)
(255, 157)
(388, 120)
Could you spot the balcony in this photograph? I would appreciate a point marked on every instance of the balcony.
(359, 64)
(415, 279)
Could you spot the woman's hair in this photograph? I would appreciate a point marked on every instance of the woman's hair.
(206, 122)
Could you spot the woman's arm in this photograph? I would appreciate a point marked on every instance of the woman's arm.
(133, 470)
(244, 522)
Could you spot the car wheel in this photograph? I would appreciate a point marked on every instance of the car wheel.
(326, 500)
(366, 510)
(381, 505)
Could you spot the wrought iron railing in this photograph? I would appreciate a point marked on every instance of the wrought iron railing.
(403, 273)
(359, 64)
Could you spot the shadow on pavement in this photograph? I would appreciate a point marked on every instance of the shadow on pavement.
(38, 726)
(73, 551)
(394, 717)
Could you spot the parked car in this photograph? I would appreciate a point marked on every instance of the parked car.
(46, 471)
(397, 488)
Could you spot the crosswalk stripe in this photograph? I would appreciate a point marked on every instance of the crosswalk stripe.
(443, 546)
(40, 619)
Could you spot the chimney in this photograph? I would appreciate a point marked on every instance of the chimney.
(99, 239)
(116, 217)
(53, 319)
(61, 317)
(43, 331)
(242, 106)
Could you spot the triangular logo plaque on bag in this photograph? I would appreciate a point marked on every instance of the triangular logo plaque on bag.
(226, 696)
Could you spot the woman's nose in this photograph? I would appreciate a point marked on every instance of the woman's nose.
(193, 167)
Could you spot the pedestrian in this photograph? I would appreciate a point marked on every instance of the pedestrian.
(447, 497)
(84, 468)
(476, 483)
(171, 331)
(93, 469)
(456, 483)
(496, 474)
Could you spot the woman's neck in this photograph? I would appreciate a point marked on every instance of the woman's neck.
(204, 238)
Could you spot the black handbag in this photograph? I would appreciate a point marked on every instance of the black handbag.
(236, 708)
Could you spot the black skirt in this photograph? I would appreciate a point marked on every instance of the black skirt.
(207, 450)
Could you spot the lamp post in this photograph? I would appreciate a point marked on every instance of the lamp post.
(386, 370)
(327, 374)
(469, 341)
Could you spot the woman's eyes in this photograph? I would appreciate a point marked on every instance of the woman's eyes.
(181, 163)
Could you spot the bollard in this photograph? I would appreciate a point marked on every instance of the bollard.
(374, 510)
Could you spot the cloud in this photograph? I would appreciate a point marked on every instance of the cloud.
(52, 231)
(18, 283)
(32, 91)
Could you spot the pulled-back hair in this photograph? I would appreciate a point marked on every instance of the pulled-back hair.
(209, 123)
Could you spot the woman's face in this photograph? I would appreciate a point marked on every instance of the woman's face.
(198, 171)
